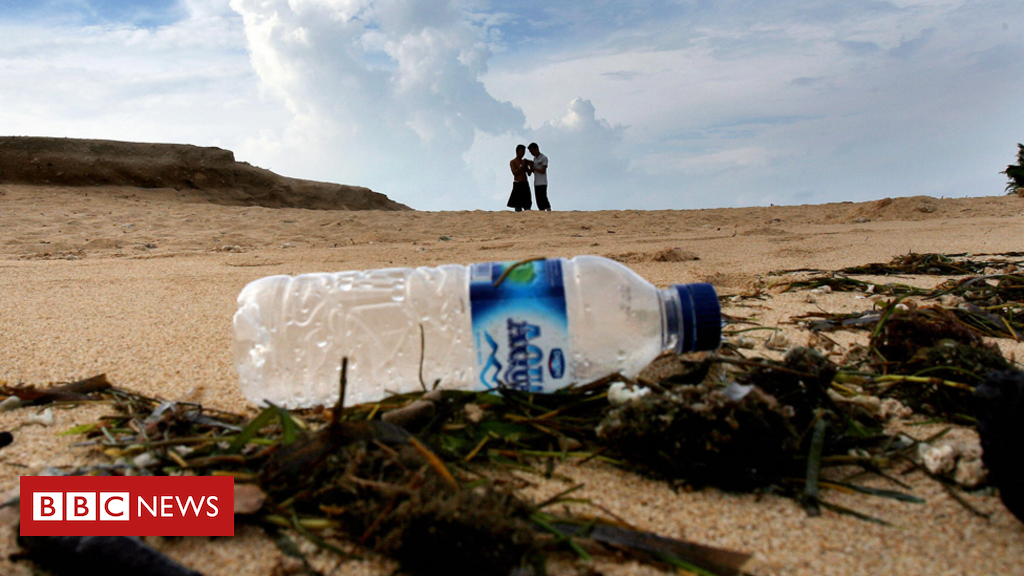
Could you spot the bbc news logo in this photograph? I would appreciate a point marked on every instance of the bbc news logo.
(127, 506)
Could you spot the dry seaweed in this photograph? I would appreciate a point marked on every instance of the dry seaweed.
(929, 357)
(705, 435)
(991, 303)
(428, 493)
(933, 348)
(928, 264)
(846, 284)
(934, 341)
(416, 495)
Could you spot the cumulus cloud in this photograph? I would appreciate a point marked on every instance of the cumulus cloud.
(384, 94)
(589, 166)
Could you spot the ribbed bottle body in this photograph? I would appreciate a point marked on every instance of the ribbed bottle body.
(291, 334)
(535, 326)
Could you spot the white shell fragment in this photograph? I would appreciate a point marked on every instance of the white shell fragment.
(145, 460)
(778, 341)
(620, 393)
(736, 391)
(893, 408)
(45, 418)
(938, 459)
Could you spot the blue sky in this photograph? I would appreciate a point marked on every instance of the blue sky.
(639, 105)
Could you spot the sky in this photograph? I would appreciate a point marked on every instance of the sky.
(639, 104)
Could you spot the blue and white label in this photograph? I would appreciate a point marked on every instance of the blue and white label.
(520, 325)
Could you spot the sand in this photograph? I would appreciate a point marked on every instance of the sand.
(140, 284)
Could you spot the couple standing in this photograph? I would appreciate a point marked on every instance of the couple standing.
(521, 170)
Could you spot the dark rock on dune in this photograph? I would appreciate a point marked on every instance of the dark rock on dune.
(214, 171)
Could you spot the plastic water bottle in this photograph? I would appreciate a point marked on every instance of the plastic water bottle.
(538, 325)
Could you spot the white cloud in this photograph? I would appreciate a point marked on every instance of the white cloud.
(185, 82)
(384, 94)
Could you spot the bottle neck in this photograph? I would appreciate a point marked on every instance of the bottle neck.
(691, 318)
(670, 319)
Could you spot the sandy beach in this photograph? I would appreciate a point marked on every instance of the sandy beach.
(140, 284)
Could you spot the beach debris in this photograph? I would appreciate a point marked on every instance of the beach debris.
(930, 345)
(777, 341)
(474, 413)
(145, 460)
(702, 559)
(410, 414)
(620, 393)
(801, 382)
(249, 498)
(938, 459)
(44, 418)
(75, 391)
(666, 255)
(933, 338)
(675, 255)
(99, 556)
(10, 403)
(486, 529)
(699, 435)
(891, 408)
(1000, 408)
(6, 438)
(943, 358)
(970, 472)
(406, 493)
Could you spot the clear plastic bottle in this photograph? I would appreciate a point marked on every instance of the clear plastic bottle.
(538, 325)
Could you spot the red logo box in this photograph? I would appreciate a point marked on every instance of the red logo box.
(127, 506)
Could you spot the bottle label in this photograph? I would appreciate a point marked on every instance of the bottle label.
(520, 325)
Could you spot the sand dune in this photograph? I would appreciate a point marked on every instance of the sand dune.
(211, 174)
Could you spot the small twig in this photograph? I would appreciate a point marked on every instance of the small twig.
(434, 462)
(558, 497)
(423, 356)
(476, 450)
(343, 385)
(895, 379)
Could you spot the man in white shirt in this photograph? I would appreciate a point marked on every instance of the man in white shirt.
(540, 177)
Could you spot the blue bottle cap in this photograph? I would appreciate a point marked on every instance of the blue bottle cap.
(700, 322)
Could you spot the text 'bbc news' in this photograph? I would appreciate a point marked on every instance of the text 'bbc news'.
(127, 506)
